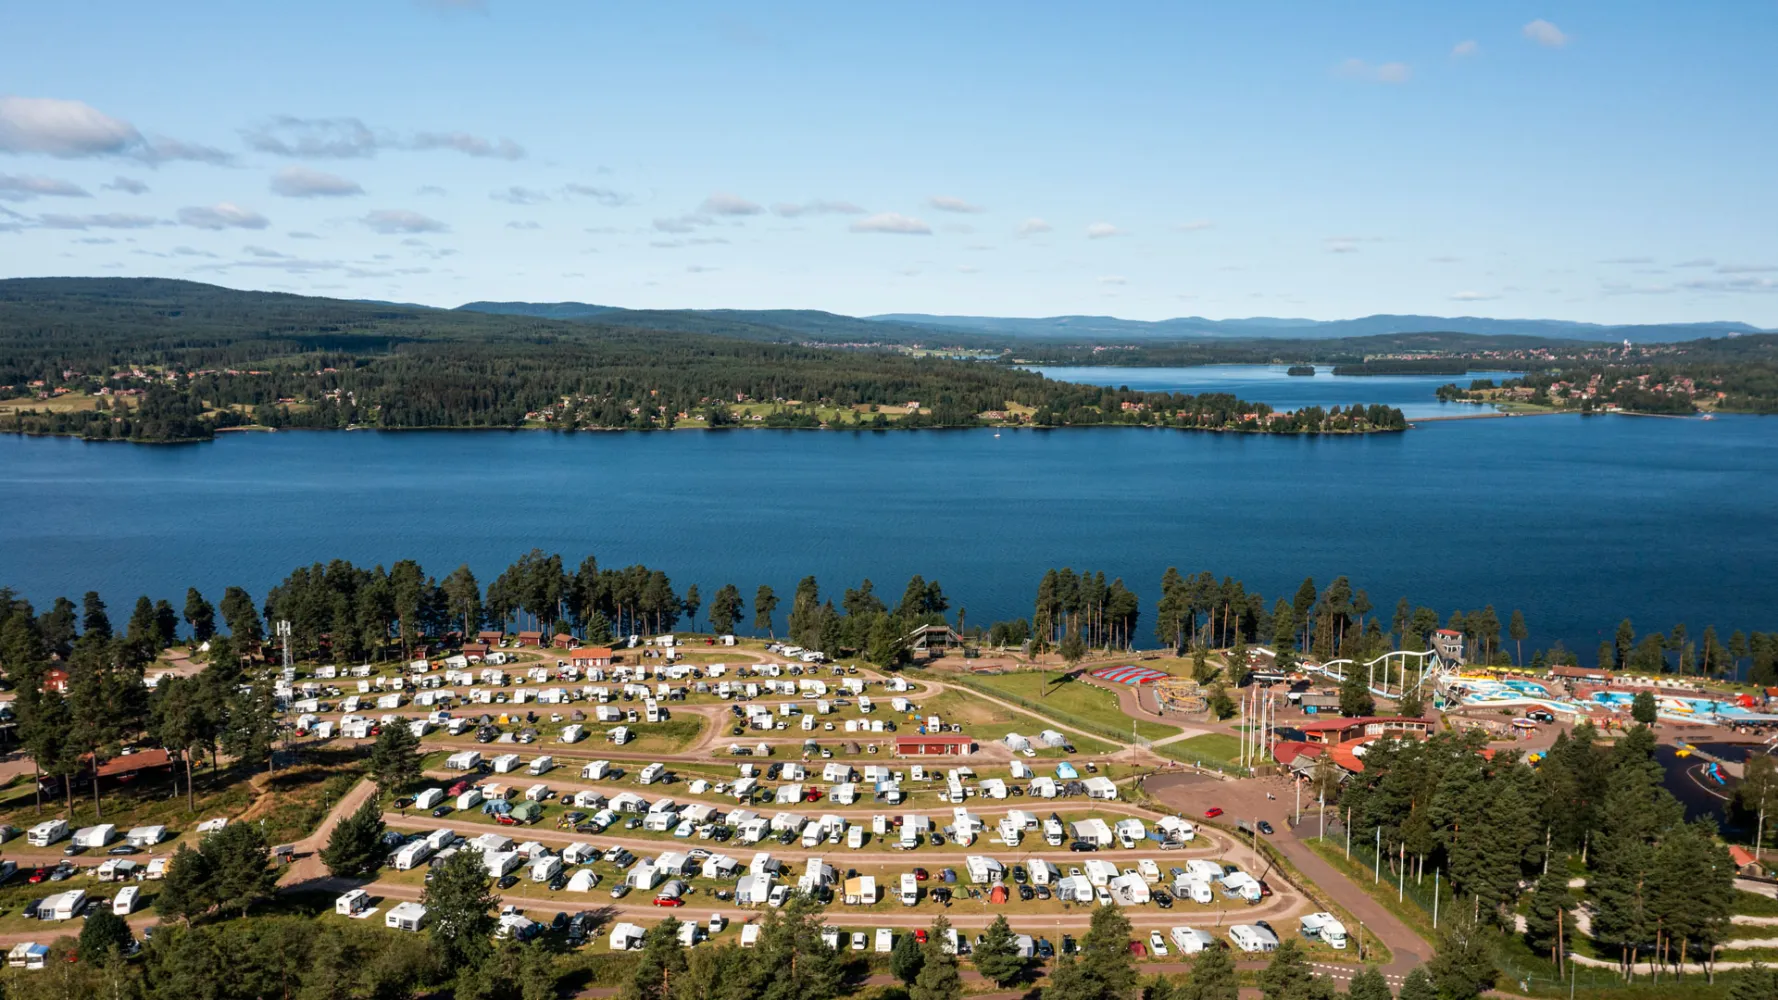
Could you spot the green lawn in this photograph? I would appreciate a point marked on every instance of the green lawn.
(1074, 698)
(1210, 748)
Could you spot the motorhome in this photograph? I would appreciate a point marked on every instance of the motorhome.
(652, 773)
(47, 832)
(1251, 939)
(573, 733)
(910, 889)
(1326, 928)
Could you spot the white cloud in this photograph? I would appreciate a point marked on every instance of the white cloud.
(351, 138)
(301, 182)
(392, 221)
(266, 252)
(303, 236)
(1545, 34)
(128, 185)
(104, 220)
(431, 189)
(1389, 72)
(945, 203)
(1338, 245)
(791, 210)
(1114, 279)
(524, 225)
(1033, 226)
(1697, 262)
(728, 204)
(682, 224)
(1444, 260)
(1473, 296)
(73, 129)
(14, 187)
(517, 195)
(222, 215)
(698, 269)
(1103, 230)
(604, 196)
(891, 222)
(1745, 284)
(1628, 260)
(1747, 269)
(1194, 227)
(1465, 48)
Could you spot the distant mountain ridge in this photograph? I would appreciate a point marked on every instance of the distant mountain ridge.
(767, 324)
(1264, 327)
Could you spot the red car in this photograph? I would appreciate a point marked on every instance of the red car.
(668, 901)
(812, 795)
(1213, 812)
(39, 875)
(921, 874)
(920, 934)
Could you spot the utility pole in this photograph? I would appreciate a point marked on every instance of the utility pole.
(284, 634)
(1435, 900)
(1377, 859)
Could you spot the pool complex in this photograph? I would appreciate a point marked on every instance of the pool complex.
(1523, 694)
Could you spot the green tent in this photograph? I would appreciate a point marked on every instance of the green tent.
(527, 812)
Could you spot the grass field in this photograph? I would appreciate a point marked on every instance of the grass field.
(989, 722)
(1210, 748)
(1075, 698)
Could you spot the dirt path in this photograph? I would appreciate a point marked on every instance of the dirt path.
(308, 867)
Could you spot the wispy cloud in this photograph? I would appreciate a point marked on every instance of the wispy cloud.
(527, 224)
(1697, 262)
(728, 204)
(517, 195)
(1628, 260)
(945, 203)
(1474, 296)
(74, 129)
(792, 210)
(16, 187)
(302, 182)
(1464, 49)
(1194, 227)
(351, 138)
(1033, 226)
(1113, 279)
(1103, 230)
(1747, 269)
(1389, 72)
(604, 196)
(891, 222)
(103, 220)
(392, 221)
(222, 215)
(1545, 34)
(128, 185)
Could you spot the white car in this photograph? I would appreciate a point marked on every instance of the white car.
(779, 895)
(1157, 944)
(857, 940)
(1101, 894)
(1028, 752)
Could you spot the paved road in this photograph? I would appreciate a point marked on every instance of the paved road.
(1191, 794)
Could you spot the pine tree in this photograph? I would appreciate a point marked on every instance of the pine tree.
(662, 962)
(1417, 985)
(1355, 696)
(1105, 960)
(103, 932)
(1213, 977)
(185, 890)
(907, 959)
(200, 616)
(725, 609)
(1643, 708)
(240, 864)
(1462, 967)
(938, 978)
(355, 847)
(1287, 976)
(458, 906)
(997, 955)
(1369, 985)
(764, 603)
(1757, 983)
(395, 761)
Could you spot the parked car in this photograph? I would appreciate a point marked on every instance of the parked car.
(1158, 945)
(921, 874)
(620, 891)
(507, 881)
(441, 812)
(1080, 846)
(1213, 812)
(1026, 893)
(1265, 828)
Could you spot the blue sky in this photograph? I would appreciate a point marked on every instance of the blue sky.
(1609, 162)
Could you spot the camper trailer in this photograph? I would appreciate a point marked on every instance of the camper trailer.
(542, 765)
(1326, 928)
(910, 890)
(408, 917)
(352, 903)
(1252, 939)
(573, 733)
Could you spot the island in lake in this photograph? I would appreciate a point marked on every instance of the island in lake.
(1308, 370)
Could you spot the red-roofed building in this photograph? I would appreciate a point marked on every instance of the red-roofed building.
(933, 746)
(532, 639)
(591, 656)
(491, 636)
(1448, 644)
(565, 641)
(1745, 863)
(1330, 731)
(55, 679)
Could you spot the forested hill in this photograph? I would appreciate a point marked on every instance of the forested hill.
(161, 360)
(788, 325)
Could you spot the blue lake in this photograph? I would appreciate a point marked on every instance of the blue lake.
(1415, 395)
(1578, 521)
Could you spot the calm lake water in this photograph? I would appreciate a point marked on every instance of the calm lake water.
(1414, 395)
(1579, 521)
